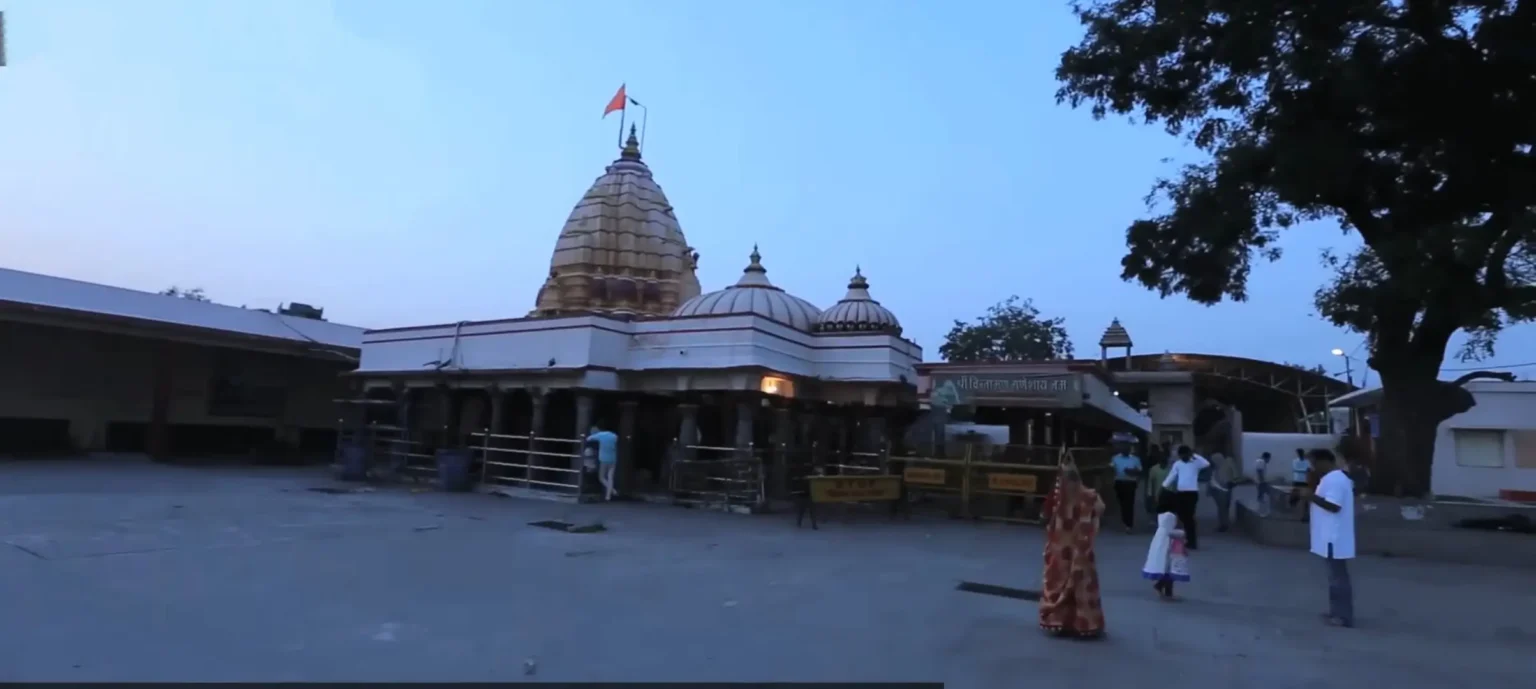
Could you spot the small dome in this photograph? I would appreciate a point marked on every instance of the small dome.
(858, 312)
(753, 294)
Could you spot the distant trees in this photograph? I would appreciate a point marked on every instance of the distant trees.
(194, 294)
(1011, 330)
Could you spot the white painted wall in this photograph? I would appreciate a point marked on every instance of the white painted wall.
(1282, 449)
(717, 342)
(1500, 406)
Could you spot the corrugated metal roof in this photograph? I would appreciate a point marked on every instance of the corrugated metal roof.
(61, 293)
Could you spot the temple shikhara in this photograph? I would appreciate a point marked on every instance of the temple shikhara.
(622, 336)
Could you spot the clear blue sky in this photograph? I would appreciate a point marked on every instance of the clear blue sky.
(407, 162)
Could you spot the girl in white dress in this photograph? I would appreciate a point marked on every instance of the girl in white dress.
(1167, 559)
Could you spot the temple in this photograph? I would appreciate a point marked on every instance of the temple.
(621, 336)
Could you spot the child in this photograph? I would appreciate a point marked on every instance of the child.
(1167, 561)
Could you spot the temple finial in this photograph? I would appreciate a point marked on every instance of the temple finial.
(632, 146)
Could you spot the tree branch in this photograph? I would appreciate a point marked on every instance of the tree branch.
(1505, 376)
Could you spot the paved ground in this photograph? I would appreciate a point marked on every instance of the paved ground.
(131, 571)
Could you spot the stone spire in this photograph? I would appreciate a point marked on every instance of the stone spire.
(622, 250)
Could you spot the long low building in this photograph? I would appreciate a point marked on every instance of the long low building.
(89, 367)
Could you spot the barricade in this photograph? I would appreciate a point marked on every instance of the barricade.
(850, 489)
(725, 478)
(1006, 483)
(532, 463)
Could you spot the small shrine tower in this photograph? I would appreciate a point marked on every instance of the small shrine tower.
(1116, 337)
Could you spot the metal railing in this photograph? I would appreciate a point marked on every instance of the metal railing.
(720, 477)
(532, 462)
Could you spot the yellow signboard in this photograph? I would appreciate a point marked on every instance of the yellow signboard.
(925, 476)
(1013, 483)
(854, 488)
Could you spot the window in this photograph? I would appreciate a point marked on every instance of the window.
(1476, 447)
(1525, 449)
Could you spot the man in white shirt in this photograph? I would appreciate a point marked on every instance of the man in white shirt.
(1184, 483)
(1333, 534)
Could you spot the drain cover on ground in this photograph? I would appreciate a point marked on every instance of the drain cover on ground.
(568, 527)
(993, 590)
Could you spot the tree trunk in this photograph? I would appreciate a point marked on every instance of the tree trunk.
(1408, 425)
(1413, 406)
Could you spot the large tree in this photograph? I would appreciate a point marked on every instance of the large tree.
(1011, 330)
(1409, 123)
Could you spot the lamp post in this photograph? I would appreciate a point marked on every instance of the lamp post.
(1349, 374)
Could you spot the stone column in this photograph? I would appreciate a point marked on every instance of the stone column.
(783, 441)
(623, 473)
(875, 434)
(808, 445)
(745, 411)
(540, 411)
(688, 429)
(159, 438)
(583, 422)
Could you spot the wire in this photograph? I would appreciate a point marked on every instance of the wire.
(1490, 368)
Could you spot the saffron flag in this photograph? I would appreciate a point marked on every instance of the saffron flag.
(617, 103)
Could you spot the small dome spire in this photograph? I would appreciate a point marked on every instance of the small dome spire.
(1115, 335)
(755, 275)
(753, 294)
(858, 312)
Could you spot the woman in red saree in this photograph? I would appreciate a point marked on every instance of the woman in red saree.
(1069, 601)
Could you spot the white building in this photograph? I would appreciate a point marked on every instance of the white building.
(1489, 451)
(622, 336)
(87, 367)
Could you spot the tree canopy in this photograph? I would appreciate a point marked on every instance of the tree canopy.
(1407, 123)
(1011, 330)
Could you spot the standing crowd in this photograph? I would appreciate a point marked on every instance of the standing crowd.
(1170, 485)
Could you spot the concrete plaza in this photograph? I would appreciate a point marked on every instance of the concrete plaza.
(124, 570)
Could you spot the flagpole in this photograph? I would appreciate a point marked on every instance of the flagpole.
(622, 112)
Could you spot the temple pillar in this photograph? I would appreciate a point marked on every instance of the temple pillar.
(688, 430)
(626, 431)
(584, 403)
(540, 402)
(808, 444)
(158, 442)
(746, 409)
(875, 433)
(498, 415)
(783, 439)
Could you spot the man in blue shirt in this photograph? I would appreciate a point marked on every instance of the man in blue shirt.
(606, 445)
(1127, 471)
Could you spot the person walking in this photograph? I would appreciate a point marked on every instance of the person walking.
(1260, 469)
(1184, 480)
(1166, 560)
(1333, 534)
(1069, 600)
(1127, 468)
(1223, 475)
(1300, 471)
(1154, 483)
(606, 445)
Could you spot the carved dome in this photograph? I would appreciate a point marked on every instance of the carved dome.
(621, 250)
(754, 294)
(858, 312)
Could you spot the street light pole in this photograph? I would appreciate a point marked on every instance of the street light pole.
(1349, 373)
